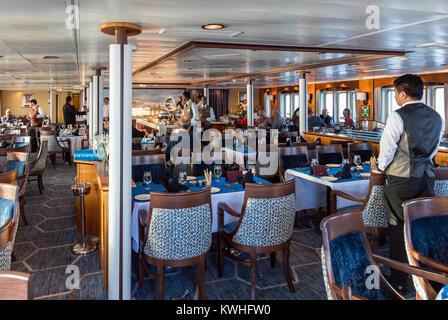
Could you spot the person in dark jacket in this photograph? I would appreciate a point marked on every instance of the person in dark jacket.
(69, 112)
(137, 136)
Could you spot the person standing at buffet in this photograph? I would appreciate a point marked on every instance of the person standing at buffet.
(206, 113)
(190, 108)
(106, 109)
(408, 144)
(70, 113)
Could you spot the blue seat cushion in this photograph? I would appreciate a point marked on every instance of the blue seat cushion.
(19, 144)
(138, 171)
(6, 209)
(293, 161)
(231, 226)
(327, 158)
(350, 261)
(430, 237)
(19, 165)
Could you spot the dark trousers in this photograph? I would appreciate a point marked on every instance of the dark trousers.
(396, 191)
(32, 132)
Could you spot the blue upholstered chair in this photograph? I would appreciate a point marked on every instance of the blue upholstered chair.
(147, 162)
(9, 198)
(265, 226)
(347, 261)
(373, 207)
(19, 161)
(21, 141)
(426, 238)
(177, 232)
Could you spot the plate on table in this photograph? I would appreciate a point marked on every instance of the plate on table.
(190, 178)
(333, 165)
(142, 197)
(329, 178)
(215, 190)
(365, 174)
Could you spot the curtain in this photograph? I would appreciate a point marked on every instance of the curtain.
(219, 100)
(317, 103)
(380, 111)
(195, 93)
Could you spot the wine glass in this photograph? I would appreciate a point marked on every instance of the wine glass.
(217, 170)
(357, 160)
(344, 162)
(182, 177)
(314, 162)
(147, 179)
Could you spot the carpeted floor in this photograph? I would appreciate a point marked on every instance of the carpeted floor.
(44, 248)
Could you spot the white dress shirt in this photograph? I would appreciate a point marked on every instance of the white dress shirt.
(212, 113)
(391, 136)
(105, 111)
(194, 108)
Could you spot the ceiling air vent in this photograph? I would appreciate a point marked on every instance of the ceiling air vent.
(199, 32)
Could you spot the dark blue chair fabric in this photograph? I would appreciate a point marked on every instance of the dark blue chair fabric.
(364, 154)
(6, 210)
(138, 171)
(350, 261)
(19, 144)
(293, 161)
(327, 158)
(19, 165)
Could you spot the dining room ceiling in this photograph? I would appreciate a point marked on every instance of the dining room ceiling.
(31, 30)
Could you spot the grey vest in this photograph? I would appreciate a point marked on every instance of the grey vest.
(422, 128)
(204, 112)
(188, 110)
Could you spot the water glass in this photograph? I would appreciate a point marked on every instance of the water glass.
(182, 177)
(357, 160)
(217, 170)
(314, 162)
(147, 179)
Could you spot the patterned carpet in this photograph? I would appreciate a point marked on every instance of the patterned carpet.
(44, 248)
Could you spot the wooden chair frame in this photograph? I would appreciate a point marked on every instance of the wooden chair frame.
(15, 285)
(334, 148)
(9, 192)
(419, 208)
(65, 151)
(167, 200)
(358, 146)
(38, 173)
(339, 224)
(258, 191)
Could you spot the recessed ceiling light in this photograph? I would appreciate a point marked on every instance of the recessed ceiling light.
(403, 59)
(50, 57)
(213, 26)
(142, 85)
(187, 60)
(290, 64)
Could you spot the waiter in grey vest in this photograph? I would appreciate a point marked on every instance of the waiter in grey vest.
(190, 108)
(206, 113)
(408, 145)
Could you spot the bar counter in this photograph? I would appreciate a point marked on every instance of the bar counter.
(326, 138)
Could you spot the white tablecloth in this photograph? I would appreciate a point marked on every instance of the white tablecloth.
(311, 192)
(232, 199)
(75, 142)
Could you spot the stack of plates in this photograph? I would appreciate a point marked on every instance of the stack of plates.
(142, 197)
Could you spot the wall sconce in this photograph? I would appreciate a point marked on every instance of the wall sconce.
(362, 96)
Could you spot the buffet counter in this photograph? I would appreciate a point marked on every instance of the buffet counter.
(142, 124)
(326, 138)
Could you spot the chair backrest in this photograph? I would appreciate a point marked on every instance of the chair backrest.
(289, 157)
(8, 222)
(41, 160)
(9, 177)
(15, 285)
(179, 225)
(343, 143)
(359, 147)
(146, 152)
(441, 182)
(51, 136)
(425, 225)
(21, 141)
(19, 161)
(346, 254)
(147, 162)
(267, 216)
(16, 132)
(331, 149)
(374, 210)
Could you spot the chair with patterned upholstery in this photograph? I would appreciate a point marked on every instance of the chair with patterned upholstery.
(441, 182)
(22, 141)
(426, 240)
(373, 207)
(15, 285)
(177, 232)
(9, 198)
(56, 147)
(37, 168)
(347, 261)
(19, 161)
(264, 226)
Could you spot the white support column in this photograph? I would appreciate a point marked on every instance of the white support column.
(53, 106)
(120, 159)
(206, 93)
(95, 105)
(90, 114)
(303, 105)
(98, 101)
(250, 104)
(100, 104)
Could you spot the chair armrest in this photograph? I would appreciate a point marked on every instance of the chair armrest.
(223, 207)
(63, 147)
(416, 271)
(428, 261)
(345, 293)
(337, 193)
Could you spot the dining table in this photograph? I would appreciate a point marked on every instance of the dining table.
(314, 192)
(75, 142)
(230, 193)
